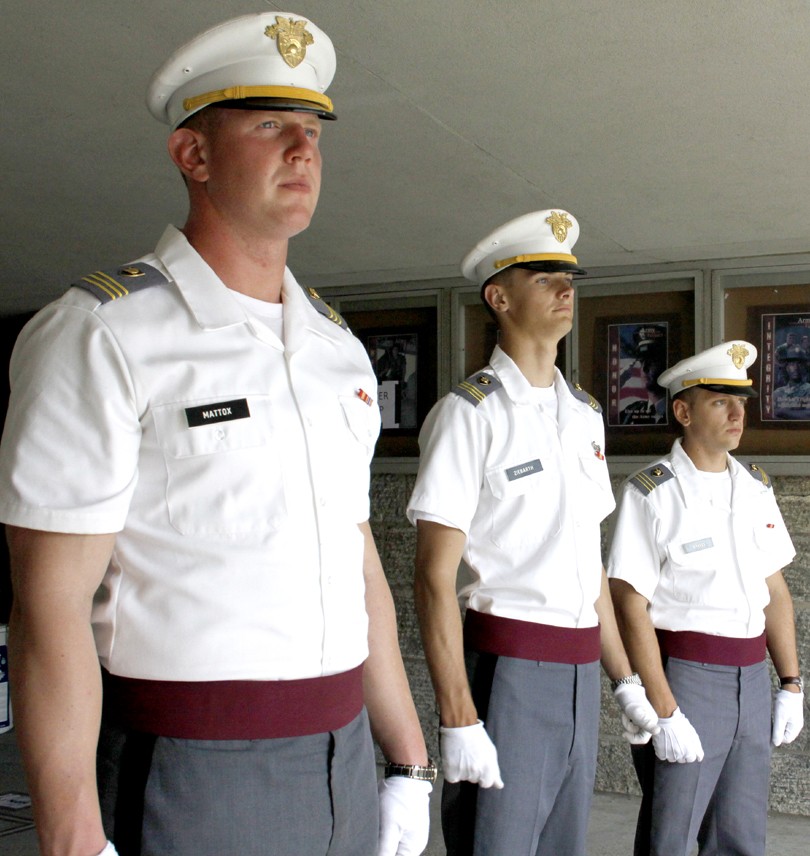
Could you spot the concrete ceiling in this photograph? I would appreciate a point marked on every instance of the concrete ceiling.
(673, 131)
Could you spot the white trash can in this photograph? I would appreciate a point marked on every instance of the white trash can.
(6, 717)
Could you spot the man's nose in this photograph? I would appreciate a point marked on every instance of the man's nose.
(299, 144)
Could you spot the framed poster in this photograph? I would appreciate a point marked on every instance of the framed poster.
(394, 354)
(624, 341)
(771, 309)
(401, 345)
(637, 353)
(782, 336)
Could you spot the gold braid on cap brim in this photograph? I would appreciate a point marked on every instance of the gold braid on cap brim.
(719, 381)
(535, 257)
(236, 93)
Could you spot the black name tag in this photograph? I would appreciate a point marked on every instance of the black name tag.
(222, 411)
(523, 470)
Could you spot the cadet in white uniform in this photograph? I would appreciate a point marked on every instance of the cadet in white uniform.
(185, 470)
(695, 567)
(512, 478)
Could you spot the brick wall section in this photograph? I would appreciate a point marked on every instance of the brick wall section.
(396, 541)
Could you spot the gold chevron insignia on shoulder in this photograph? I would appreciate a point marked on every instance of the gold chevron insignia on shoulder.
(477, 387)
(584, 396)
(648, 480)
(111, 285)
(759, 474)
(324, 308)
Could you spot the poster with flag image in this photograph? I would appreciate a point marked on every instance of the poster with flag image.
(637, 354)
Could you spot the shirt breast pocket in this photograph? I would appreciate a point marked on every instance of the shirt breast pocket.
(223, 478)
(595, 494)
(525, 508)
(692, 569)
(363, 422)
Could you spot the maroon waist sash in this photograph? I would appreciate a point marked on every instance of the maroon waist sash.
(234, 710)
(717, 650)
(511, 637)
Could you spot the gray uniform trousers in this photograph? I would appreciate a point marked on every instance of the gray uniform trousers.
(544, 721)
(721, 802)
(300, 796)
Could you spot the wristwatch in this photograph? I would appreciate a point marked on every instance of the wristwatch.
(792, 679)
(412, 771)
(628, 679)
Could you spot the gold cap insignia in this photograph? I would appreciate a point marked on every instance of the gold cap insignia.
(484, 380)
(131, 271)
(292, 39)
(560, 224)
(738, 353)
(314, 294)
(657, 472)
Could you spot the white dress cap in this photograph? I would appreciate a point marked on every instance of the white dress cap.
(541, 240)
(721, 368)
(267, 60)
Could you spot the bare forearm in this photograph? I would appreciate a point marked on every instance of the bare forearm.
(56, 685)
(56, 694)
(780, 627)
(614, 657)
(641, 644)
(441, 628)
(438, 554)
(394, 721)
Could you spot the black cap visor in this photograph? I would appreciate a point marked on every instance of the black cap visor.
(281, 105)
(742, 391)
(552, 267)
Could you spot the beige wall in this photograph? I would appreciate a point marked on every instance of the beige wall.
(790, 779)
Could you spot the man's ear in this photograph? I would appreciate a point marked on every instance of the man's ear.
(495, 296)
(680, 410)
(188, 151)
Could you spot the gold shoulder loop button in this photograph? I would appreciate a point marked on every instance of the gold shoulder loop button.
(324, 308)
(756, 471)
(127, 279)
(131, 271)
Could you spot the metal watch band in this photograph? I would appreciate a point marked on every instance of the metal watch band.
(412, 771)
(627, 679)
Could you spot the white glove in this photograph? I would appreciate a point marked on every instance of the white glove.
(109, 850)
(639, 719)
(788, 716)
(468, 755)
(404, 816)
(677, 741)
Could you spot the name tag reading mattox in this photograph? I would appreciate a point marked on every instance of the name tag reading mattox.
(521, 470)
(222, 411)
(697, 546)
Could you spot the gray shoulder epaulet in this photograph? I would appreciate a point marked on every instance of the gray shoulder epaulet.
(477, 387)
(110, 285)
(648, 480)
(324, 308)
(758, 473)
(579, 393)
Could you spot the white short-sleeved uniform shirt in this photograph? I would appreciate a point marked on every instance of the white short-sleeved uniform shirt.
(525, 479)
(234, 467)
(698, 549)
